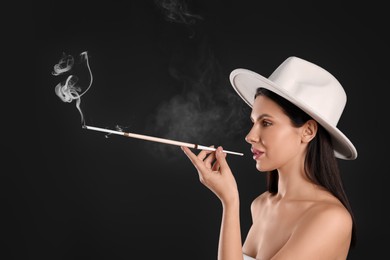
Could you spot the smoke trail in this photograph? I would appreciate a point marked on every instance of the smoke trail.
(70, 89)
(119, 128)
(177, 11)
(65, 64)
(207, 111)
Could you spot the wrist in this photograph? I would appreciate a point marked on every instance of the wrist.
(231, 203)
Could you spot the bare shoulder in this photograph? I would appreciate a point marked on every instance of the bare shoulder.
(323, 231)
(260, 201)
(325, 227)
(325, 215)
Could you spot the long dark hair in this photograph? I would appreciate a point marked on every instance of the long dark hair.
(321, 165)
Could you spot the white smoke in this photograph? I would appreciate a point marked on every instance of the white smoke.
(70, 89)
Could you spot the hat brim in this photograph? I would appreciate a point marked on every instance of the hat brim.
(246, 82)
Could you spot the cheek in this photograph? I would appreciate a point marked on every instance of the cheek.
(282, 143)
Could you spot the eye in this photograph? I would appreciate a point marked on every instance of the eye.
(266, 123)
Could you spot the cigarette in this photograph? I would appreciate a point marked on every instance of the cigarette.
(157, 139)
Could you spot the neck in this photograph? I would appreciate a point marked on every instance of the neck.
(293, 182)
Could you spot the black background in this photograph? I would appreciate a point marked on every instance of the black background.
(79, 195)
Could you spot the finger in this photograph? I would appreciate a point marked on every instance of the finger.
(189, 154)
(216, 166)
(208, 161)
(203, 154)
(221, 158)
(197, 162)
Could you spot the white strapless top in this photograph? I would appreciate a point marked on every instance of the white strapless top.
(247, 257)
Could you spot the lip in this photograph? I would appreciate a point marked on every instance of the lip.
(256, 153)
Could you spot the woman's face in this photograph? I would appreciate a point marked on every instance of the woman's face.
(275, 142)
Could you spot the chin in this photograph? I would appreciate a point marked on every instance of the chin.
(260, 168)
(263, 168)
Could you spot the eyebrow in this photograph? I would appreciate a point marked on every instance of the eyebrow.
(259, 117)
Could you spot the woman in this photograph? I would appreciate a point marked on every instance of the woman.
(305, 213)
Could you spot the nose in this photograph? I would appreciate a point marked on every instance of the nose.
(252, 136)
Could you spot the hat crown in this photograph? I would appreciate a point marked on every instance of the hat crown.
(314, 88)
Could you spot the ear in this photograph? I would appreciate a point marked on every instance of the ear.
(309, 130)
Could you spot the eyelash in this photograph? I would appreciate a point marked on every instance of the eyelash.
(266, 123)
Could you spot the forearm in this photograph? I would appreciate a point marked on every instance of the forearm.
(230, 245)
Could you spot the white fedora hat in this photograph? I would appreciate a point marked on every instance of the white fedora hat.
(308, 86)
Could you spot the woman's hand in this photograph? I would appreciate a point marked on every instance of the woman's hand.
(214, 172)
